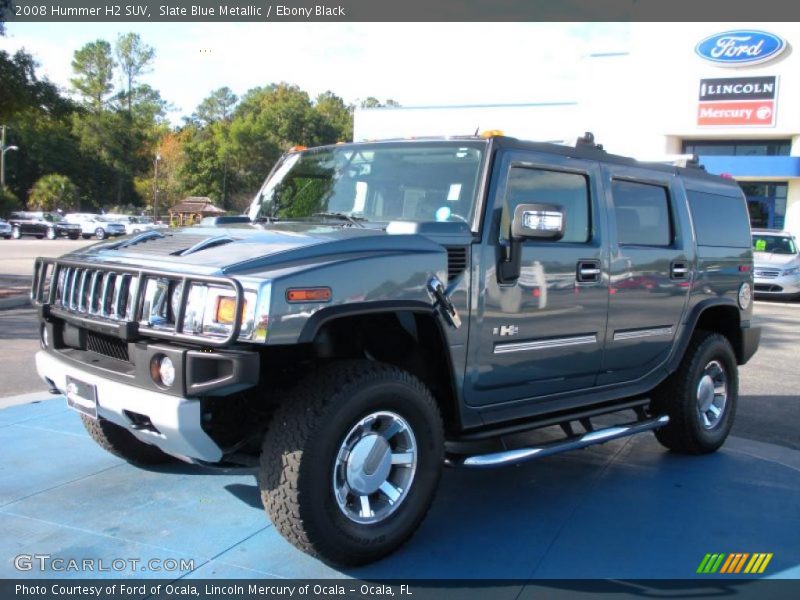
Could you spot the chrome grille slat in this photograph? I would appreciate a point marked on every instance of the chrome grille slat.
(82, 290)
(93, 293)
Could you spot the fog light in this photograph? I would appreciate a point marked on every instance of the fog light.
(162, 370)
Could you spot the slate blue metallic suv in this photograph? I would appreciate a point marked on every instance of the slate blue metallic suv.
(394, 307)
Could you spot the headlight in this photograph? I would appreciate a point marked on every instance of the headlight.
(211, 311)
(791, 271)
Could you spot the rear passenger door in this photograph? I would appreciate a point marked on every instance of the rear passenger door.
(650, 270)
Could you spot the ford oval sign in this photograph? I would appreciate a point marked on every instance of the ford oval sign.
(740, 48)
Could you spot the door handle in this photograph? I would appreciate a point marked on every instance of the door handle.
(679, 270)
(588, 271)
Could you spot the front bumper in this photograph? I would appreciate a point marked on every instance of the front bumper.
(176, 420)
(783, 285)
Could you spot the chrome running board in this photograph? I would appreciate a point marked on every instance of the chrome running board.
(598, 436)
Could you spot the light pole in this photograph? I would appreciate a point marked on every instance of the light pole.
(155, 188)
(3, 150)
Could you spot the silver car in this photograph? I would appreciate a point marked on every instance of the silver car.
(776, 263)
(5, 229)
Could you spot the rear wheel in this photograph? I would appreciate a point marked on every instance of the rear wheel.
(50, 234)
(121, 442)
(351, 462)
(16, 233)
(700, 397)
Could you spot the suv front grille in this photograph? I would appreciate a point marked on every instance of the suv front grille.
(107, 346)
(96, 292)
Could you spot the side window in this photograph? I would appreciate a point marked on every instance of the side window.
(569, 190)
(642, 212)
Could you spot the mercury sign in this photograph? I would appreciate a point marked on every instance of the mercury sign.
(740, 48)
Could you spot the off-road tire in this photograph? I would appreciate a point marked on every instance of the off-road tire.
(301, 447)
(677, 397)
(122, 443)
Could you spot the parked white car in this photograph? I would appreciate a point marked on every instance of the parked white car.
(135, 224)
(776, 259)
(99, 226)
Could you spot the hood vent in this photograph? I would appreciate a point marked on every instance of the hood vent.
(211, 242)
(174, 244)
(456, 261)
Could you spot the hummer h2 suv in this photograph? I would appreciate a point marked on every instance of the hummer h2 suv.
(398, 306)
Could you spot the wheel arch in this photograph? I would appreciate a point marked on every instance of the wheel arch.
(406, 334)
(719, 315)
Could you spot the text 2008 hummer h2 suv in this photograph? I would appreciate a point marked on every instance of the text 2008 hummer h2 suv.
(399, 306)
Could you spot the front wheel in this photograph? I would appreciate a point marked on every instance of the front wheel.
(700, 397)
(16, 233)
(100, 233)
(50, 234)
(351, 462)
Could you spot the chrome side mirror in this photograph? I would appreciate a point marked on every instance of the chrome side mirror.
(538, 221)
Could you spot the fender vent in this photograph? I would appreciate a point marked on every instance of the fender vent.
(456, 261)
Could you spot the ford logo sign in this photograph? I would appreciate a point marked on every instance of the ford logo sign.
(741, 47)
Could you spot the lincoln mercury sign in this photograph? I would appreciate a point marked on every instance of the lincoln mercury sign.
(737, 101)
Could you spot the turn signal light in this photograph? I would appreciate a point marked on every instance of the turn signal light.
(322, 294)
(297, 148)
(226, 310)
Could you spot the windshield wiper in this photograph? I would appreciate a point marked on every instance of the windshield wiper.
(357, 221)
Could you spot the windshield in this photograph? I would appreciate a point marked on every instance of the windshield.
(423, 181)
(775, 244)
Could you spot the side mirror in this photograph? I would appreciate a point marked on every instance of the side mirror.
(531, 221)
(538, 221)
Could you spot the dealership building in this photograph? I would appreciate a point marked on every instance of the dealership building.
(728, 93)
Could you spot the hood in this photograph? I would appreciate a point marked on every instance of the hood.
(772, 259)
(245, 249)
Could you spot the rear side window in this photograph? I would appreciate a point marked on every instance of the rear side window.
(719, 220)
(570, 191)
(642, 212)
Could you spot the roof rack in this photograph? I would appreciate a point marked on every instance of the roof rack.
(587, 141)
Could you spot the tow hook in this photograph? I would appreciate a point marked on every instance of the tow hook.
(443, 303)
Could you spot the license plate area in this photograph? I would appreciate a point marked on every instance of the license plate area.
(82, 397)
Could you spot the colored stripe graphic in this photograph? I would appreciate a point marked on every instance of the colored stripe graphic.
(711, 563)
(728, 563)
(735, 563)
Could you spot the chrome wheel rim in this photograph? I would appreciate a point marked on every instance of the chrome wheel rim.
(375, 467)
(712, 395)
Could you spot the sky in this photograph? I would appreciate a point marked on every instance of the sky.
(416, 64)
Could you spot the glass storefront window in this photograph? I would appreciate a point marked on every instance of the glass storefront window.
(766, 202)
(737, 147)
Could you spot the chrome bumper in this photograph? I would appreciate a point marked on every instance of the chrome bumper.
(177, 419)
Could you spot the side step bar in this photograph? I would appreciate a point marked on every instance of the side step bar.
(599, 436)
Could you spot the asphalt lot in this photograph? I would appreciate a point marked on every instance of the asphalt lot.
(626, 509)
(16, 256)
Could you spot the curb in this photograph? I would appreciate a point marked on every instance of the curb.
(29, 398)
(15, 302)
